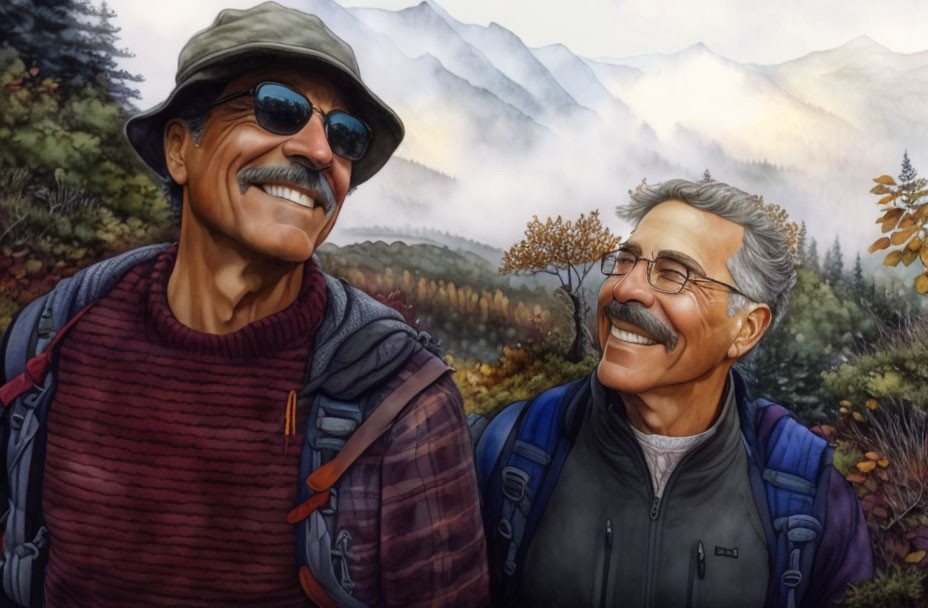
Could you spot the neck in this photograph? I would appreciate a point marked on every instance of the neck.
(679, 410)
(218, 286)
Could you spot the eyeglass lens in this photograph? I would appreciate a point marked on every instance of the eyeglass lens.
(284, 111)
(664, 274)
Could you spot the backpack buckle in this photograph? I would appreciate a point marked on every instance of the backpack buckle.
(791, 578)
(515, 481)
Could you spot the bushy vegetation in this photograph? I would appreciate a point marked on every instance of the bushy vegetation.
(71, 189)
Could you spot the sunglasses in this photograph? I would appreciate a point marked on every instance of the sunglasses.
(285, 111)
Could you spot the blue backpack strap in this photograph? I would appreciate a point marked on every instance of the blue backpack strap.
(789, 477)
(523, 464)
(23, 421)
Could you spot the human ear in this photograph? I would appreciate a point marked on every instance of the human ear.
(753, 326)
(175, 139)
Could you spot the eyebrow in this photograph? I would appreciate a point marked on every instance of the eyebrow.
(668, 253)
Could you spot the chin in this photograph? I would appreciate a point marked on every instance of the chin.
(619, 377)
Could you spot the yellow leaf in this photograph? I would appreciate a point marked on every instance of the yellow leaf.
(858, 416)
(872, 404)
(866, 466)
(855, 477)
(915, 557)
(908, 220)
(908, 257)
(881, 243)
(892, 259)
(886, 199)
(842, 410)
(921, 283)
(901, 236)
(915, 244)
(886, 180)
(845, 403)
(882, 463)
(923, 255)
(872, 456)
(879, 189)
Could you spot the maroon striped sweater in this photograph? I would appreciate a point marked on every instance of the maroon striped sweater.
(166, 478)
(167, 481)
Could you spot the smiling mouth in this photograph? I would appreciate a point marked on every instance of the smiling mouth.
(289, 194)
(627, 336)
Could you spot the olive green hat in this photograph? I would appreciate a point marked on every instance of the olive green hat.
(265, 35)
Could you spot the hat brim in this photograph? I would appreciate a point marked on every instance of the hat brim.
(145, 131)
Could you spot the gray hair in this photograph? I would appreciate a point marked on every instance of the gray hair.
(762, 268)
(193, 113)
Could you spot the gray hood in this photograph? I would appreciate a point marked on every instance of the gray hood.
(360, 344)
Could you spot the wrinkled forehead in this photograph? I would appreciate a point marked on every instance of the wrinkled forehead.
(676, 226)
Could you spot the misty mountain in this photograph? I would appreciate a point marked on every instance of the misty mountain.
(498, 132)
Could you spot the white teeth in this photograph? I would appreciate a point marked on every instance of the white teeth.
(294, 196)
(627, 336)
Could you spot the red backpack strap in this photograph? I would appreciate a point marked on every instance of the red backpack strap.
(323, 478)
(37, 366)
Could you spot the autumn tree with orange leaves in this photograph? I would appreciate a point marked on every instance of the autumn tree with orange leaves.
(906, 216)
(567, 250)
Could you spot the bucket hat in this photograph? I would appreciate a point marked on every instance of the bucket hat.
(265, 35)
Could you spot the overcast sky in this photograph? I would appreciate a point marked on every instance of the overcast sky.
(748, 32)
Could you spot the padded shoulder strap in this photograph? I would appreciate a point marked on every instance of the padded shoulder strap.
(526, 463)
(794, 462)
(315, 544)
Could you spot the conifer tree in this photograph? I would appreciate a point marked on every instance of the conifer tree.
(833, 266)
(907, 173)
(706, 176)
(811, 261)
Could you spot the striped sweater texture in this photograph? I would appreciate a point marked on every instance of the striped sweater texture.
(168, 475)
(166, 480)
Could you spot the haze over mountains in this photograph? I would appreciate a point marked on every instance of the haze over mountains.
(498, 132)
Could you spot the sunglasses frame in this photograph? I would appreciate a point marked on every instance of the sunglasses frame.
(325, 116)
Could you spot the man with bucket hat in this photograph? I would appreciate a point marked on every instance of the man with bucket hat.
(178, 418)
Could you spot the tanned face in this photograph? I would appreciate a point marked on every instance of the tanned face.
(671, 341)
(279, 217)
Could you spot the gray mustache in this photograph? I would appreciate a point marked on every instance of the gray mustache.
(641, 318)
(293, 173)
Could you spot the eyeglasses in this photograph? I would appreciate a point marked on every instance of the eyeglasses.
(285, 111)
(665, 274)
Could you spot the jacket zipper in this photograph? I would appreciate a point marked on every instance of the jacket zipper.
(654, 525)
(697, 568)
(605, 579)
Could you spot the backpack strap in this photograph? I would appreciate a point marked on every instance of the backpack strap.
(317, 575)
(524, 449)
(790, 467)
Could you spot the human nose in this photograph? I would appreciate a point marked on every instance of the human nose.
(309, 146)
(634, 286)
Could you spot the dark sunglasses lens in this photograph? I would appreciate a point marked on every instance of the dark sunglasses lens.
(280, 109)
(347, 135)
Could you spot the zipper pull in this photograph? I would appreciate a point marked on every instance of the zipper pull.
(700, 560)
(608, 533)
(655, 507)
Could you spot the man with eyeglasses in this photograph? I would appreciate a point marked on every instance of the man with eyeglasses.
(657, 480)
(217, 422)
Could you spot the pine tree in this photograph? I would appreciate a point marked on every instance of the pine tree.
(859, 284)
(907, 173)
(833, 267)
(706, 176)
(801, 253)
(104, 36)
(70, 41)
(812, 258)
